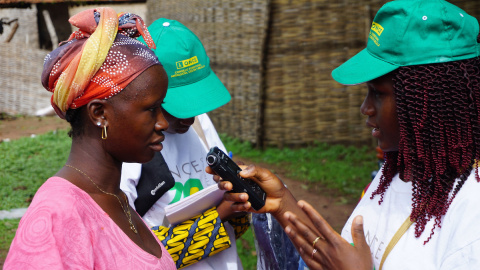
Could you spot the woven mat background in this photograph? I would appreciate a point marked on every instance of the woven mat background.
(282, 92)
(307, 40)
(21, 64)
(233, 34)
(280, 80)
(27, 31)
(274, 56)
(21, 90)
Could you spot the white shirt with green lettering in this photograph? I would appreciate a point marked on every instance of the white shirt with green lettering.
(456, 245)
(185, 155)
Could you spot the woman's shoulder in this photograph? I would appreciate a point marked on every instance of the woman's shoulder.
(468, 193)
(56, 188)
(463, 217)
(59, 204)
(58, 195)
(56, 222)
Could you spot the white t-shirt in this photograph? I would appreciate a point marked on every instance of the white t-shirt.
(185, 156)
(455, 245)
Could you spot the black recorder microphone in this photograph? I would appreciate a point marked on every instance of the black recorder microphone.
(229, 170)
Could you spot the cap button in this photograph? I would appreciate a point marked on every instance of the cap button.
(166, 24)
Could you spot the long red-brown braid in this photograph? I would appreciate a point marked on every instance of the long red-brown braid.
(438, 107)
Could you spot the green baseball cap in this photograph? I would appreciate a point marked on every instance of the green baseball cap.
(412, 32)
(193, 88)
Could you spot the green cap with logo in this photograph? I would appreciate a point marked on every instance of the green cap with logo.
(412, 32)
(193, 88)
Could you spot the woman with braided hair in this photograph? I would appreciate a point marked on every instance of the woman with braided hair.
(422, 70)
(110, 87)
(438, 117)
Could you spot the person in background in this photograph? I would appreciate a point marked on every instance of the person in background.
(422, 70)
(206, 241)
(110, 87)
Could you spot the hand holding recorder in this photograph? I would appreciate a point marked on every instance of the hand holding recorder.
(228, 170)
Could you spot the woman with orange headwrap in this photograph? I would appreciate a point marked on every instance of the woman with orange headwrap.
(110, 87)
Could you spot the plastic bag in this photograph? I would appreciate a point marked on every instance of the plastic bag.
(274, 248)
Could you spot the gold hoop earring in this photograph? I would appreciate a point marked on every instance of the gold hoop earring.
(104, 133)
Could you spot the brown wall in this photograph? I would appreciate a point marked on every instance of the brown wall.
(275, 57)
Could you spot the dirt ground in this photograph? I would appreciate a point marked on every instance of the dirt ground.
(335, 209)
(16, 127)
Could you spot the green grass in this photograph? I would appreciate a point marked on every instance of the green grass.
(8, 228)
(27, 162)
(246, 250)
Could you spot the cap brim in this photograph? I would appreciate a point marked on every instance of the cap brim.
(196, 98)
(362, 67)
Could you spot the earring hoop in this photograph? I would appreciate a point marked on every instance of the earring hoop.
(104, 133)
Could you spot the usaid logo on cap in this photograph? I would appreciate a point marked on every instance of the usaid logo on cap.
(186, 63)
(376, 29)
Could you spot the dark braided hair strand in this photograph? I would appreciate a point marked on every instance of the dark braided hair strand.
(439, 119)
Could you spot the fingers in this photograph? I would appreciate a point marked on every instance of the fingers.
(227, 212)
(209, 170)
(242, 207)
(236, 197)
(310, 237)
(225, 185)
(319, 222)
(360, 243)
(300, 236)
(358, 234)
(332, 251)
(269, 182)
(239, 200)
(304, 231)
(217, 178)
(256, 173)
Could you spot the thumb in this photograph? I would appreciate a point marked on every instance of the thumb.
(358, 235)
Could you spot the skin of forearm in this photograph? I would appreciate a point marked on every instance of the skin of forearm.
(289, 204)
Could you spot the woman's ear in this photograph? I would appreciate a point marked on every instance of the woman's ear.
(97, 111)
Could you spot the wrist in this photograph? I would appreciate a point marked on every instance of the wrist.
(285, 202)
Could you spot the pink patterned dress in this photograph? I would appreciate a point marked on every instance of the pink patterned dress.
(64, 228)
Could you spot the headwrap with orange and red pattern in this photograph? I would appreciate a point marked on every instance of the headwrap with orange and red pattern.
(99, 60)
